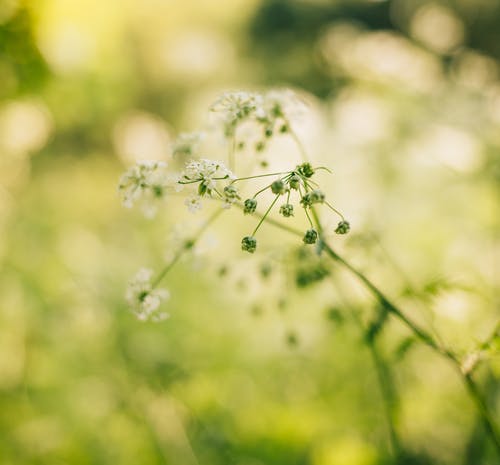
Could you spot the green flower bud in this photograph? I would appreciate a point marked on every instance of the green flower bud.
(306, 200)
(268, 132)
(294, 181)
(249, 206)
(310, 237)
(286, 210)
(249, 244)
(317, 196)
(260, 146)
(278, 187)
(230, 192)
(284, 129)
(310, 198)
(305, 170)
(343, 227)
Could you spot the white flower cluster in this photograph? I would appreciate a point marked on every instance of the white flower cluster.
(270, 113)
(187, 143)
(205, 173)
(235, 107)
(146, 183)
(283, 102)
(143, 299)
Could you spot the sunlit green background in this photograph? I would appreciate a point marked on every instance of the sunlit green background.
(404, 107)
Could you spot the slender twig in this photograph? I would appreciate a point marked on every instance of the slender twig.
(188, 244)
(384, 378)
(265, 214)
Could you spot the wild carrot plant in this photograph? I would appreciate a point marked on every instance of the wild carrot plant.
(277, 198)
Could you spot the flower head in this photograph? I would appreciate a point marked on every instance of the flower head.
(144, 183)
(187, 143)
(206, 172)
(193, 203)
(283, 103)
(236, 107)
(143, 299)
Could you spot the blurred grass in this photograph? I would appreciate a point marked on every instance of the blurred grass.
(234, 376)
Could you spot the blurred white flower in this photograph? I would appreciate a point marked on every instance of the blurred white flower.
(146, 183)
(285, 103)
(188, 143)
(193, 203)
(235, 107)
(143, 299)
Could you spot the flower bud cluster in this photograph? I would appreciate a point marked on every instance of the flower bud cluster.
(146, 183)
(300, 181)
(271, 112)
(143, 299)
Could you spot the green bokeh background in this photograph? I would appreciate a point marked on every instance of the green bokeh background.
(247, 370)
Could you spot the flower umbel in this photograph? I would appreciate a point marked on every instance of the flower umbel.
(144, 183)
(206, 173)
(143, 299)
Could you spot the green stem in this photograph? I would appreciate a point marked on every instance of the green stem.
(420, 333)
(305, 209)
(334, 210)
(262, 190)
(188, 244)
(384, 378)
(388, 394)
(265, 214)
(259, 176)
(484, 413)
(427, 339)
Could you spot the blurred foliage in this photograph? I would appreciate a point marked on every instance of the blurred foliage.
(263, 361)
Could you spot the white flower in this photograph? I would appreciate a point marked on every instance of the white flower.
(207, 172)
(144, 183)
(143, 299)
(187, 143)
(235, 107)
(283, 102)
(193, 203)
